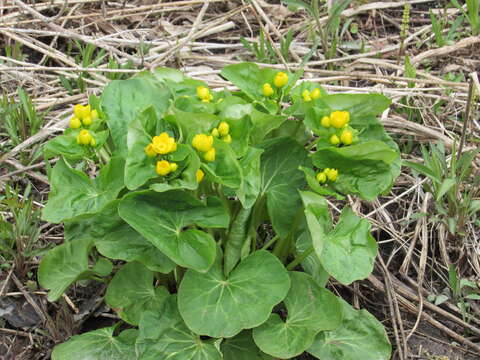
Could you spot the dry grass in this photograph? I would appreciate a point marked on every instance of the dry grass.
(200, 37)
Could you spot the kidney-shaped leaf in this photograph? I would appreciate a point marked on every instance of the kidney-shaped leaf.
(131, 292)
(311, 309)
(98, 345)
(123, 100)
(63, 265)
(162, 217)
(360, 336)
(365, 169)
(73, 193)
(348, 251)
(165, 336)
(214, 305)
(358, 105)
(242, 347)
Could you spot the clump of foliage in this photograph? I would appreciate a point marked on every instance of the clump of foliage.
(174, 180)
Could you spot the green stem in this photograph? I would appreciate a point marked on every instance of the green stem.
(299, 258)
(270, 242)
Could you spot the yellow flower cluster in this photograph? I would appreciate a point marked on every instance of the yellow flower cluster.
(280, 80)
(204, 143)
(85, 138)
(82, 115)
(165, 167)
(222, 131)
(162, 144)
(204, 94)
(327, 174)
(311, 95)
(338, 120)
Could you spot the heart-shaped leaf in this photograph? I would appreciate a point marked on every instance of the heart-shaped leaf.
(242, 347)
(63, 265)
(131, 292)
(280, 181)
(348, 252)
(311, 309)
(73, 193)
(214, 305)
(98, 345)
(250, 187)
(366, 169)
(123, 100)
(162, 218)
(165, 336)
(360, 336)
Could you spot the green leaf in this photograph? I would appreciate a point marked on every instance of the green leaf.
(131, 292)
(162, 218)
(98, 345)
(366, 169)
(311, 309)
(240, 124)
(164, 335)
(225, 169)
(242, 347)
(218, 306)
(360, 336)
(348, 252)
(251, 185)
(264, 124)
(73, 193)
(281, 179)
(66, 145)
(445, 186)
(236, 238)
(322, 189)
(359, 105)
(191, 124)
(123, 100)
(63, 265)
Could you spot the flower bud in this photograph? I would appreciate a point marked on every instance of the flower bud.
(78, 110)
(210, 155)
(325, 122)
(215, 133)
(281, 79)
(306, 95)
(150, 151)
(87, 120)
(315, 94)
(199, 175)
(93, 143)
(203, 93)
(173, 167)
(227, 139)
(332, 174)
(163, 167)
(75, 122)
(94, 114)
(267, 89)
(321, 178)
(84, 137)
(334, 140)
(338, 119)
(223, 128)
(202, 142)
(346, 137)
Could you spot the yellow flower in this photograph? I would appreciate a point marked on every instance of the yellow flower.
(227, 139)
(339, 119)
(281, 79)
(75, 122)
(203, 93)
(150, 151)
(202, 142)
(267, 89)
(306, 95)
(315, 94)
(173, 167)
(346, 137)
(84, 138)
(223, 128)
(199, 175)
(94, 114)
(321, 177)
(79, 110)
(87, 120)
(332, 174)
(164, 144)
(210, 155)
(163, 168)
(215, 133)
(325, 122)
(334, 140)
